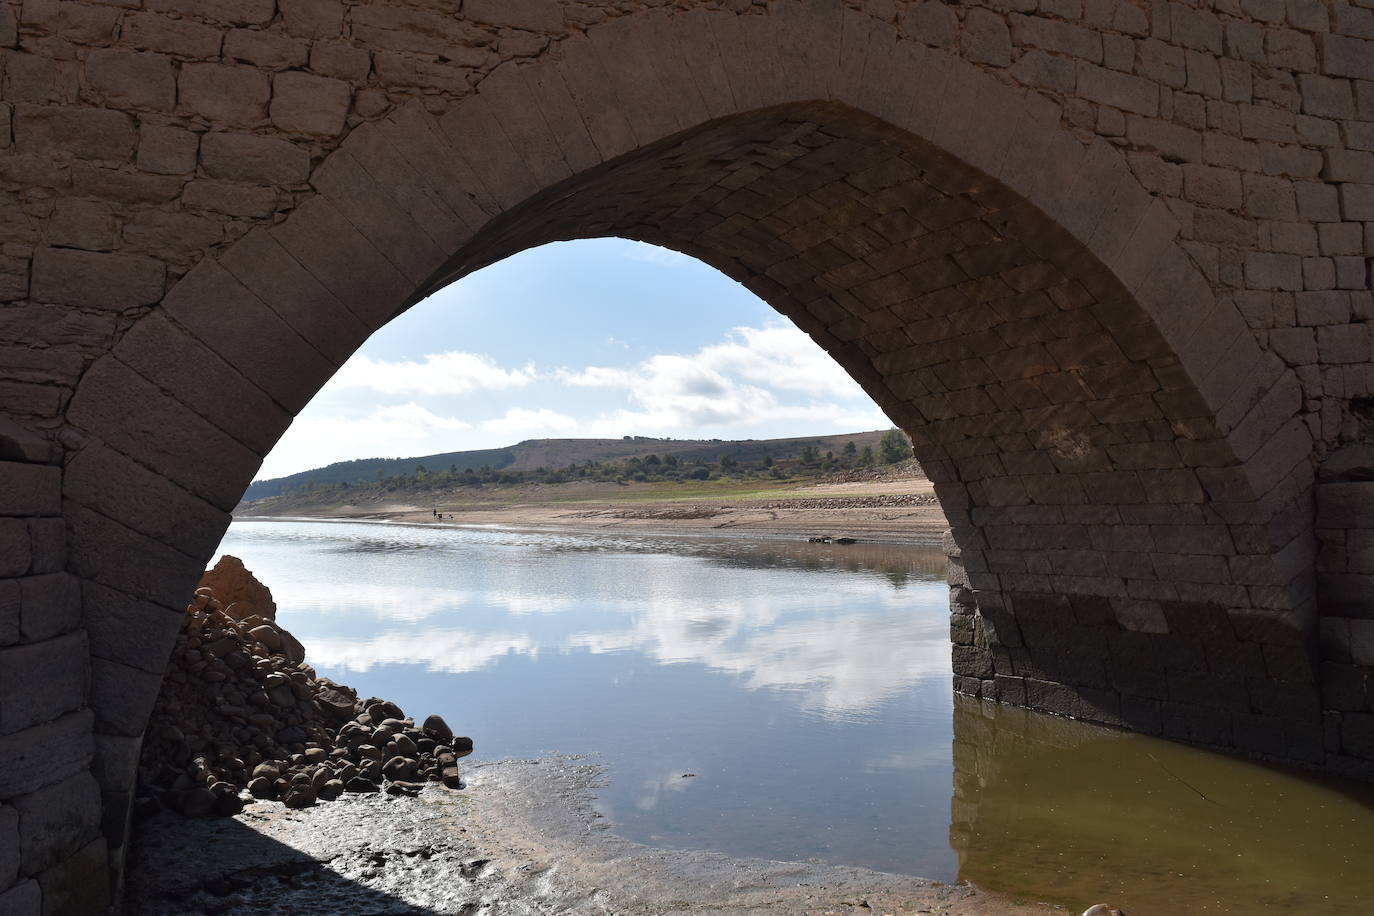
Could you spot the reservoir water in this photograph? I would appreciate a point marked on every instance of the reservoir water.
(765, 697)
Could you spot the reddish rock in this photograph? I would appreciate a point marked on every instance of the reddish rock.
(239, 590)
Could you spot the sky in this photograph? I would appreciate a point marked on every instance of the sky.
(598, 338)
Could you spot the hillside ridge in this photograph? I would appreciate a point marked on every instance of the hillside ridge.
(531, 454)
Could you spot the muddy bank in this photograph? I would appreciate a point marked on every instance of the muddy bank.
(522, 839)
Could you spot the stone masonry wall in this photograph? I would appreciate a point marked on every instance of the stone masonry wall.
(230, 196)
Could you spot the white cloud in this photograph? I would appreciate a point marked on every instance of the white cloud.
(521, 420)
(656, 255)
(729, 384)
(450, 372)
(451, 651)
(599, 377)
(781, 357)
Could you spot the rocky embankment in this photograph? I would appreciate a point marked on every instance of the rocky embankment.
(241, 711)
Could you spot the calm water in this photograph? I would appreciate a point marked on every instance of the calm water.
(806, 690)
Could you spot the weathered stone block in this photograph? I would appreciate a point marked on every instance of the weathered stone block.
(10, 609)
(230, 198)
(537, 15)
(9, 845)
(327, 245)
(236, 12)
(264, 49)
(280, 362)
(972, 662)
(130, 630)
(84, 224)
(50, 606)
(122, 697)
(96, 280)
(1051, 697)
(1342, 55)
(253, 158)
(172, 359)
(24, 899)
(121, 558)
(30, 489)
(1259, 734)
(79, 883)
(1357, 734)
(223, 94)
(306, 104)
(178, 37)
(312, 18)
(42, 681)
(178, 237)
(86, 133)
(985, 38)
(124, 187)
(16, 547)
(1272, 270)
(129, 79)
(340, 59)
(1357, 201)
(167, 150)
(102, 479)
(1346, 343)
(45, 754)
(57, 821)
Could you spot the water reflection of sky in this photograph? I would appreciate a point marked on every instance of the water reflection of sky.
(839, 640)
(805, 687)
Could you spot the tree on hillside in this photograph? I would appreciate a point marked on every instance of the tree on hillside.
(866, 457)
(850, 449)
(894, 446)
(810, 456)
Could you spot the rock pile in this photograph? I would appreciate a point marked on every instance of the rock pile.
(240, 709)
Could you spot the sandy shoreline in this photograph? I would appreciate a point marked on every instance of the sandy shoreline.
(901, 511)
(523, 838)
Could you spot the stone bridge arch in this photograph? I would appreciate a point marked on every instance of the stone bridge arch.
(1019, 238)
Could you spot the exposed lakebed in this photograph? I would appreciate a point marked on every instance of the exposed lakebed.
(769, 698)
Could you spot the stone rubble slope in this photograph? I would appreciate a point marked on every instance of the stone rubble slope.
(241, 710)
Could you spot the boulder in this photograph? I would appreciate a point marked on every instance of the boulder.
(238, 590)
(435, 727)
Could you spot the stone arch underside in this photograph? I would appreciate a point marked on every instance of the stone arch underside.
(1123, 468)
(1111, 559)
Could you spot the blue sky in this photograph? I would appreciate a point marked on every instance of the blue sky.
(593, 338)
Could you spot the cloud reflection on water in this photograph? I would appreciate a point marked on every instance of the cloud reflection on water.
(837, 665)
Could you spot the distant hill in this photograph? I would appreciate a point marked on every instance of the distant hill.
(556, 453)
